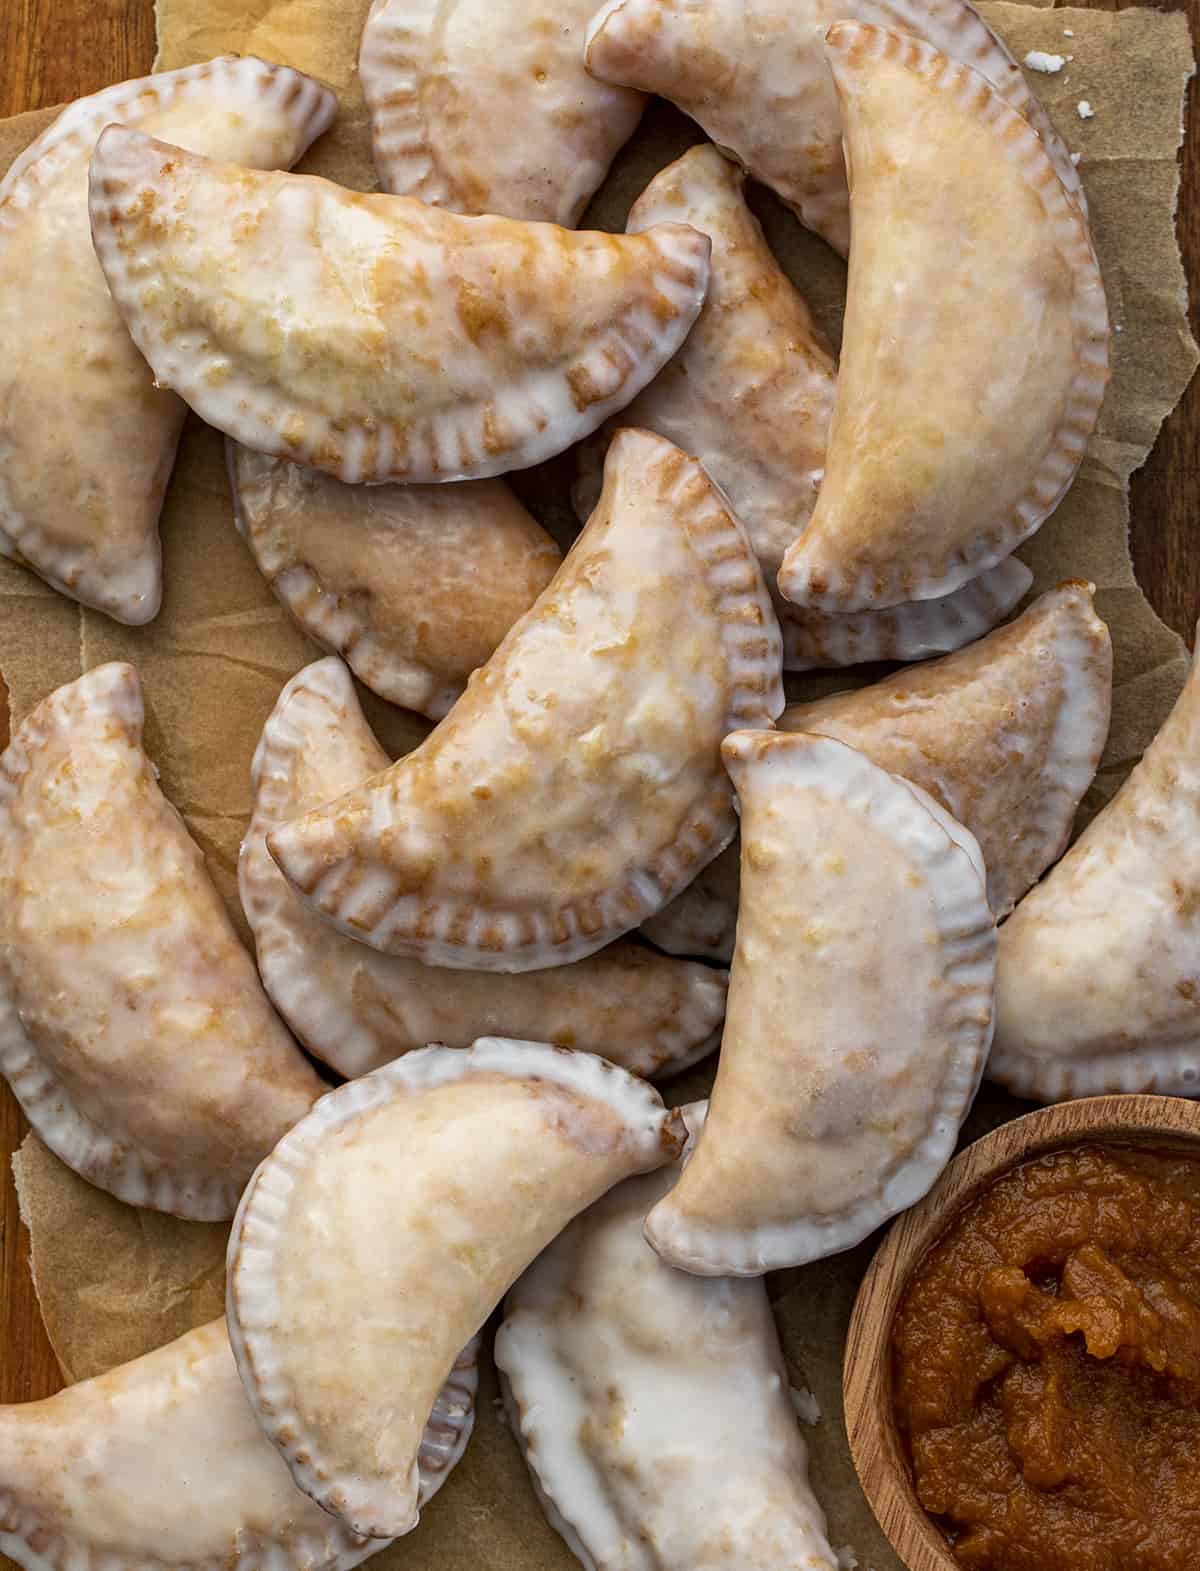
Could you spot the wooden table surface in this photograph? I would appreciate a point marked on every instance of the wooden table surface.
(55, 50)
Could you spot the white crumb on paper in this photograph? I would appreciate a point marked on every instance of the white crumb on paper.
(1068, 32)
(848, 1561)
(1086, 112)
(1039, 60)
(1075, 157)
(808, 1409)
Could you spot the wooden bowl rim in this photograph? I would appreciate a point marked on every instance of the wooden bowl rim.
(866, 1372)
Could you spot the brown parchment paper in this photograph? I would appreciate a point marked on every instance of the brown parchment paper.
(114, 1282)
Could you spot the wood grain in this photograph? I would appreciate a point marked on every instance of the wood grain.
(1165, 494)
(874, 1442)
(55, 50)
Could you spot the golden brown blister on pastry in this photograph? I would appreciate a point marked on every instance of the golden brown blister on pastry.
(576, 786)
(414, 586)
(86, 437)
(357, 1009)
(1099, 971)
(975, 348)
(750, 392)
(161, 1462)
(753, 74)
(848, 1065)
(500, 1145)
(133, 1028)
(374, 337)
(1006, 735)
(485, 108)
(651, 1406)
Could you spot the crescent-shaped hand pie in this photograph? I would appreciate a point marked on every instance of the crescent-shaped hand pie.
(576, 786)
(1099, 967)
(162, 1463)
(652, 1406)
(750, 392)
(430, 1184)
(441, 78)
(845, 1073)
(356, 1009)
(86, 438)
(133, 1029)
(414, 586)
(952, 437)
(1006, 734)
(914, 630)
(753, 74)
(372, 336)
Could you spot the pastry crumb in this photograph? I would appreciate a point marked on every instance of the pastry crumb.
(1039, 60)
(1075, 157)
(808, 1409)
(1068, 32)
(1086, 112)
(846, 1558)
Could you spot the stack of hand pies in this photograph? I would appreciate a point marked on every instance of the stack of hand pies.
(454, 936)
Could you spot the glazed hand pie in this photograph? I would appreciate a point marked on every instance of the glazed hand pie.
(86, 437)
(356, 1009)
(1006, 735)
(133, 1029)
(848, 1065)
(161, 1463)
(652, 1407)
(1099, 969)
(500, 1144)
(483, 108)
(576, 786)
(975, 346)
(914, 630)
(753, 74)
(374, 337)
(751, 390)
(413, 585)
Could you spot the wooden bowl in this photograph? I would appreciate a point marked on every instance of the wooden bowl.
(1159, 1121)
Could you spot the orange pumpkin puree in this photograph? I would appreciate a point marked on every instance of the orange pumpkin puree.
(1046, 1365)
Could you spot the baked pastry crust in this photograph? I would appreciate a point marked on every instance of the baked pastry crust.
(134, 1031)
(1006, 734)
(482, 108)
(357, 1009)
(753, 74)
(845, 1073)
(577, 785)
(975, 350)
(637, 1392)
(374, 337)
(502, 1143)
(106, 1472)
(413, 585)
(1099, 967)
(87, 439)
(751, 391)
